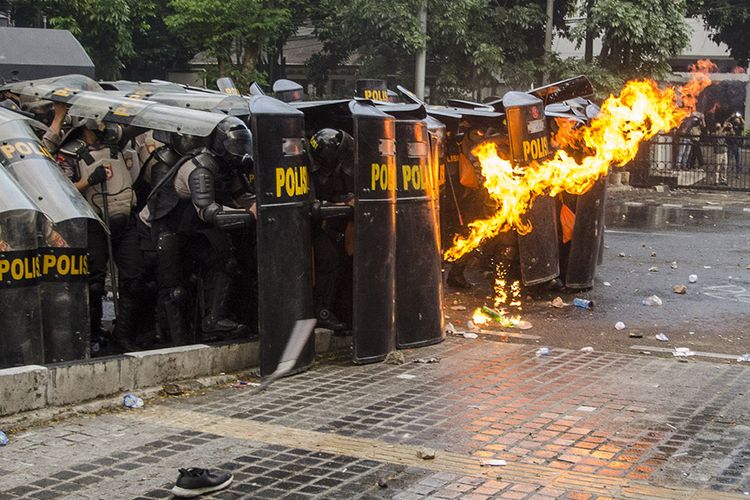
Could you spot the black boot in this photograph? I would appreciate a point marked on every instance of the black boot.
(215, 324)
(328, 320)
(126, 323)
(456, 277)
(174, 305)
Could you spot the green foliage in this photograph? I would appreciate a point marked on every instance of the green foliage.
(729, 21)
(103, 28)
(233, 31)
(638, 36)
(469, 42)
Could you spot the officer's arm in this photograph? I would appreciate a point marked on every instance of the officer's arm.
(203, 196)
(53, 137)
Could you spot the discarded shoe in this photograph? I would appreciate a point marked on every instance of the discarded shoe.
(193, 482)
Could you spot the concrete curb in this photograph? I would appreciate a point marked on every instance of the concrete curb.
(49, 391)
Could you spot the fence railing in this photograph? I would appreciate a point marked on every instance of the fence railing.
(708, 162)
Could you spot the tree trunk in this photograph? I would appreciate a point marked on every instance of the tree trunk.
(249, 57)
(588, 56)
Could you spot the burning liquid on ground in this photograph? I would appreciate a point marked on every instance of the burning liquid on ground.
(640, 111)
(507, 306)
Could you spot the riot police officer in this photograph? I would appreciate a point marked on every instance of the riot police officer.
(332, 153)
(91, 156)
(189, 220)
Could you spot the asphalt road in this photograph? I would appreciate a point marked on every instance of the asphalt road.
(706, 234)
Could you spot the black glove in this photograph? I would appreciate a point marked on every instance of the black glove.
(98, 176)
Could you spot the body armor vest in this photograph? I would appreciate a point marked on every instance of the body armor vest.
(120, 194)
(163, 199)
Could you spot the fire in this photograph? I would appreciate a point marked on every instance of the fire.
(638, 113)
(700, 80)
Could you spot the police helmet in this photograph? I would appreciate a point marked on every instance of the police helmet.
(329, 148)
(233, 143)
(181, 143)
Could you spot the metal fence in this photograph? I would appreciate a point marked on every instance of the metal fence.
(712, 162)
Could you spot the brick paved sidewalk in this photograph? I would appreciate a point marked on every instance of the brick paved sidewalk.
(569, 425)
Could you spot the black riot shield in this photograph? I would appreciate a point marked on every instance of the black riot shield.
(418, 260)
(284, 232)
(62, 247)
(20, 306)
(374, 321)
(538, 250)
(529, 142)
(587, 237)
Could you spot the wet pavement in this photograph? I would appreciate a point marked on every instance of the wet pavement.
(647, 235)
(568, 425)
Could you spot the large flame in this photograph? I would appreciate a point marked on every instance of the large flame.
(638, 113)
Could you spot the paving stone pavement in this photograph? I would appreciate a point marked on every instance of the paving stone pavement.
(568, 425)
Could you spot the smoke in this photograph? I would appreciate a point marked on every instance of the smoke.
(721, 99)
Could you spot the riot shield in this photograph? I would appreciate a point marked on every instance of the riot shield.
(20, 306)
(587, 237)
(284, 229)
(374, 233)
(418, 261)
(528, 138)
(538, 250)
(62, 249)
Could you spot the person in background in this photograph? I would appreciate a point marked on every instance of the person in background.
(720, 153)
(735, 126)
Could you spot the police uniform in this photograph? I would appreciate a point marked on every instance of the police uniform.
(332, 153)
(79, 161)
(188, 223)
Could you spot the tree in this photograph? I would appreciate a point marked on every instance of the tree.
(638, 36)
(233, 31)
(729, 21)
(103, 28)
(469, 42)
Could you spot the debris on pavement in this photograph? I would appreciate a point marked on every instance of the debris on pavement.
(679, 289)
(661, 337)
(587, 349)
(172, 389)
(706, 267)
(606, 283)
(130, 400)
(653, 269)
(382, 482)
(559, 303)
(395, 358)
(492, 462)
(745, 358)
(469, 335)
(619, 325)
(653, 254)
(673, 265)
(3, 439)
(653, 300)
(241, 384)
(406, 376)
(426, 361)
(693, 278)
(621, 254)
(635, 335)
(542, 351)
(450, 329)
(682, 352)
(583, 303)
(458, 308)
(426, 453)
(522, 324)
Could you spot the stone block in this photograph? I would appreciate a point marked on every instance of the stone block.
(23, 388)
